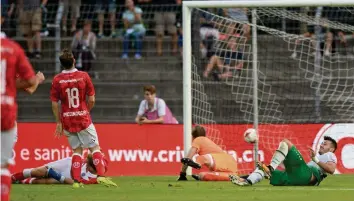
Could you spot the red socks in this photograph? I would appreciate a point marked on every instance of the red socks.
(28, 181)
(5, 184)
(99, 162)
(76, 163)
(18, 177)
(216, 176)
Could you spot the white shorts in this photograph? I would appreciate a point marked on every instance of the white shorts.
(205, 32)
(62, 166)
(8, 139)
(86, 138)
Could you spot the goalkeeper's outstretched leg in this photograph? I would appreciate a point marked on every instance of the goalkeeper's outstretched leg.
(297, 172)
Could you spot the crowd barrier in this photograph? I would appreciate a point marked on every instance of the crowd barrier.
(157, 149)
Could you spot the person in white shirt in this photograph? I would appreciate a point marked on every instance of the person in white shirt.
(154, 110)
(297, 172)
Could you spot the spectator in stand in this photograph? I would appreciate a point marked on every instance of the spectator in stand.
(75, 14)
(154, 110)
(240, 15)
(83, 46)
(30, 12)
(180, 37)
(208, 34)
(224, 60)
(7, 8)
(101, 7)
(134, 28)
(165, 19)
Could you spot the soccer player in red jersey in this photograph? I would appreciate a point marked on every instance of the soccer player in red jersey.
(13, 62)
(71, 87)
(59, 172)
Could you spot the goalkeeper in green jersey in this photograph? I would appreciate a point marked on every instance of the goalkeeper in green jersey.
(297, 172)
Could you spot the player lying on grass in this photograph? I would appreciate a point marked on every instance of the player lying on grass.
(297, 172)
(210, 155)
(59, 171)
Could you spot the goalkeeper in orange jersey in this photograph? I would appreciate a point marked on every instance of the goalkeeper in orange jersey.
(210, 155)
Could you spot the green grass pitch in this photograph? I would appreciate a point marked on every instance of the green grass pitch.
(334, 188)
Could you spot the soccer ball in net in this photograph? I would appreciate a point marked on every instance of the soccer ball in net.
(250, 135)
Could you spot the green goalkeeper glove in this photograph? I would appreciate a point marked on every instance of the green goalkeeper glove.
(182, 176)
(106, 181)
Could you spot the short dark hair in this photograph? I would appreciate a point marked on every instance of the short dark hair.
(150, 88)
(90, 161)
(88, 21)
(66, 59)
(334, 143)
(198, 131)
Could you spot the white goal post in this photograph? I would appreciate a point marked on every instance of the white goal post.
(187, 8)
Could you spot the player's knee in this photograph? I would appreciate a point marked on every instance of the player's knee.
(78, 150)
(95, 149)
(284, 147)
(288, 142)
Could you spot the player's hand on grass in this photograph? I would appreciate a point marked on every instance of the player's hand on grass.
(182, 176)
(106, 181)
(59, 130)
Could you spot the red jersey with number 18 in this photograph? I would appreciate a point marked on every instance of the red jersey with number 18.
(13, 62)
(71, 87)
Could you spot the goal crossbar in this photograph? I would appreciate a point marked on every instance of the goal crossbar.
(265, 3)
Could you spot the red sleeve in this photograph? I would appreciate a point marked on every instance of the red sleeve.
(54, 91)
(90, 181)
(90, 89)
(24, 68)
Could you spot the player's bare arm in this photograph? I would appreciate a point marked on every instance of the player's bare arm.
(91, 102)
(59, 128)
(328, 167)
(40, 78)
(24, 84)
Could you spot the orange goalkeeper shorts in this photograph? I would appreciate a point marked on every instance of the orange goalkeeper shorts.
(224, 162)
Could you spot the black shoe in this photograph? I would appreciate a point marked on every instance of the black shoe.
(196, 177)
(182, 176)
(191, 163)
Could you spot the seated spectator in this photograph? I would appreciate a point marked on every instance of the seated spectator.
(240, 15)
(31, 24)
(224, 59)
(326, 38)
(208, 34)
(134, 28)
(75, 14)
(83, 46)
(101, 7)
(154, 110)
(165, 19)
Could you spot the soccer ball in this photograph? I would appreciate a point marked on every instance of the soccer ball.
(250, 135)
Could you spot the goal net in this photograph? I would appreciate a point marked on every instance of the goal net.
(304, 76)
